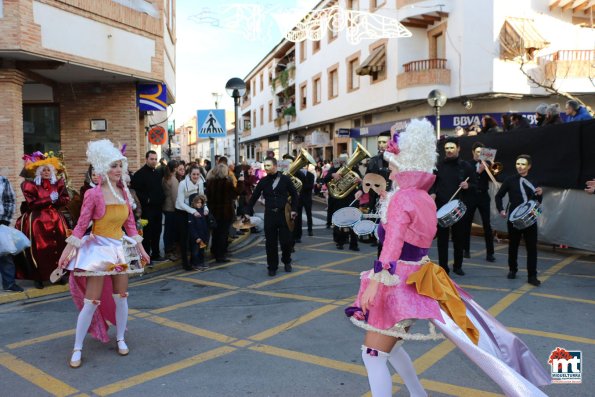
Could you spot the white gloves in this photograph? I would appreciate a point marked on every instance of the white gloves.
(54, 196)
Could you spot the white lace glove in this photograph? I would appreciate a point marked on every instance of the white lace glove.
(54, 196)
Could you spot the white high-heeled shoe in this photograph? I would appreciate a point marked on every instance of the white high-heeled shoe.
(122, 348)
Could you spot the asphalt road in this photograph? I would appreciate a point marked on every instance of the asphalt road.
(234, 331)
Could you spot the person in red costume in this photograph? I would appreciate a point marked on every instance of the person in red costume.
(42, 222)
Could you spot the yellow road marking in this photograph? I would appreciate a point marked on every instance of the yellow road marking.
(205, 333)
(193, 302)
(317, 244)
(311, 359)
(292, 323)
(565, 298)
(553, 335)
(36, 376)
(290, 296)
(481, 288)
(343, 252)
(431, 357)
(242, 343)
(205, 282)
(41, 339)
(339, 271)
(576, 275)
(278, 279)
(163, 371)
(455, 390)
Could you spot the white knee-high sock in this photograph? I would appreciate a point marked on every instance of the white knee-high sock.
(121, 301)
(84, 321)
(401, 361)
(381, 384)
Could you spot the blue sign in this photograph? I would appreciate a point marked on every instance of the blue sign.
(211, 123)
(151, 97)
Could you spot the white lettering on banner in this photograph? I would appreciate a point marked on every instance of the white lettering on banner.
(363, 131)
(465, 121)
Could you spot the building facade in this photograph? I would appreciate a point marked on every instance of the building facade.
(327, 94)
(69, 71)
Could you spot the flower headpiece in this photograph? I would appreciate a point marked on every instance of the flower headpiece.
(37, 159)
(393, 145)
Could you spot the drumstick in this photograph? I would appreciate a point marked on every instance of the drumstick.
(350, 204)
(490, 173)
(458, 190)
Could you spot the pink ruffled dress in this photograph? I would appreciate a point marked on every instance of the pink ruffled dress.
(410, 226)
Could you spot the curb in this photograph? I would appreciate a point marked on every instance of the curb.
(31, 292)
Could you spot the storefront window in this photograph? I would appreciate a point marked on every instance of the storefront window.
(41, 128)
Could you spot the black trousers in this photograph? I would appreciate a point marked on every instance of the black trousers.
(219, 239)
(152, 232)
(514, 239)
(182, 229)
(275, 232)
(342, 237)
(458, 241)
(297, 230)
(480, 202)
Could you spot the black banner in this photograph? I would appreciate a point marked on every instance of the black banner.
(563, 155)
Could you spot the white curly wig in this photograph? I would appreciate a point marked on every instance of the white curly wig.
(416, 148)
(39, 170)
(101, 154)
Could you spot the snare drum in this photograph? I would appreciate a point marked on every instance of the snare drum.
(364, 228)
(345, 218)
(525, 215)
(451, 212)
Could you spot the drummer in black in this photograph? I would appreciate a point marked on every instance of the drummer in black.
(452, 173)
(276, 189)
(520, 189)
(480, 200)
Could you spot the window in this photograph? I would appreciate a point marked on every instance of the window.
(332, 35)
(375, 4)
(316, 89)
(254, 118)
(270, 76)
(304, 95)
(377, 66)
(262, 115)
(303, 50)
(315, 46)
(352, 5)
(261, 82)
(436, 38)
(252, 87)
(352, 63)
(170, 15)
(333, 81)
(41, 128)
(270, 111)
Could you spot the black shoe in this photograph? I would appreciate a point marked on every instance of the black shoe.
(458, 271)
(374, 244)
(222, 260)
(288, 268)
(491, 258)
(38, 284)
(339, 246)
(354, 248)
(188, 269)
(272, 273)
(534, 281)
(158, 259)
(310, 233)
(298, 240)
(14, 288)
(328, 226)
(466, 254)
(511, 275)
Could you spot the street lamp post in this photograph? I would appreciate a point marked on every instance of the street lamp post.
(189, 129)
(288, 120)
(437, 99)
(236, 88)
(216, 98)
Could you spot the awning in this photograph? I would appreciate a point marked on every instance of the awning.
(374, 63)
(523, 32)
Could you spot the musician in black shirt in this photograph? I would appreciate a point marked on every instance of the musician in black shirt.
(520, 189)
(452, 173)
(480, 199)
(276, 189)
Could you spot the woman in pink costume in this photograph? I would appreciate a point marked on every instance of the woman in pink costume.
(404, 286)
(105, 252)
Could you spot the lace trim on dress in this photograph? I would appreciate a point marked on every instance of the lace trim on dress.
(399, 330)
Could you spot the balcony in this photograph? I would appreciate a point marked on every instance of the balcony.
(568, 64)
(424, 72)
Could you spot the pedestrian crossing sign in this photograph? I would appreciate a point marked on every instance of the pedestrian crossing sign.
(211, 123)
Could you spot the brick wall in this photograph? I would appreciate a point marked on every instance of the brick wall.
(11, 125)
(116, 103)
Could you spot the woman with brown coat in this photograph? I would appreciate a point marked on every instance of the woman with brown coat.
(221, 194)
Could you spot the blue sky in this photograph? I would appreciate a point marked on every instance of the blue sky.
(214, 45)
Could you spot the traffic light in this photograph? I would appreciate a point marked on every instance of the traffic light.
(171, 128)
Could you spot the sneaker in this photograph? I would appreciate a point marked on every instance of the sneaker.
(511, 275)
(14, 288)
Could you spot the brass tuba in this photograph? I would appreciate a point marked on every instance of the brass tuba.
(301, 160)
(496, 168)
(348, 182)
